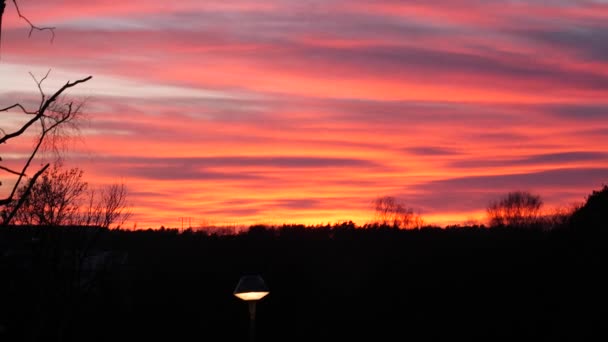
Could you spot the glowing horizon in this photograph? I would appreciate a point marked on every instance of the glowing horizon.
(304, 112)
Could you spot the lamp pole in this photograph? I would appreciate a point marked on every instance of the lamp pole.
(252, 320)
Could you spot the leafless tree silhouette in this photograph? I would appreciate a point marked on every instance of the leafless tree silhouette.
(53, 200)
(107, 207)
(390, 212)
(61, 197)
(53, 118)
(516, 209)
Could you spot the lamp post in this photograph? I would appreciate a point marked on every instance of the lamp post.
(251, 288)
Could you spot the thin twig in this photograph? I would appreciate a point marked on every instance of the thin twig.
(39, 84)
(9, 170)
(17, 105)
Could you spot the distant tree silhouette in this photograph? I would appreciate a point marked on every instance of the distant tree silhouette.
(593, 214)
(390, 212)
(54, 117)
(515, 209)
(109, 208)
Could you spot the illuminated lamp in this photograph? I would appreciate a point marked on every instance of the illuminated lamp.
(251, 288)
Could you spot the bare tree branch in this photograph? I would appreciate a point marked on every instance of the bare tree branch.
(48, 125)
(39, 84)
(9, 170)
(22, 199)
(16, 105)
(32, 26)
(44, 106)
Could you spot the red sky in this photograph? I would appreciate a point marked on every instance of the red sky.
(241, 112)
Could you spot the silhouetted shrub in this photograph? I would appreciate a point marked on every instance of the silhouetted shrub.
(515, 209)
(593, 215)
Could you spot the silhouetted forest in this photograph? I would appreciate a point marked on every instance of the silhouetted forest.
(339, 282)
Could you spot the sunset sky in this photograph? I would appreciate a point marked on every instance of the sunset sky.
(304, 111)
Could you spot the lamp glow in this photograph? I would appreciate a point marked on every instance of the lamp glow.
(251, 295)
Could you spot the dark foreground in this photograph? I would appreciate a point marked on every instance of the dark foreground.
(333, 283)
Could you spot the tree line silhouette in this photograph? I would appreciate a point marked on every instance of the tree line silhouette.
(331, 282)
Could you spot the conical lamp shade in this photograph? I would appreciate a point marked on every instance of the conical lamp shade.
(251, 287)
